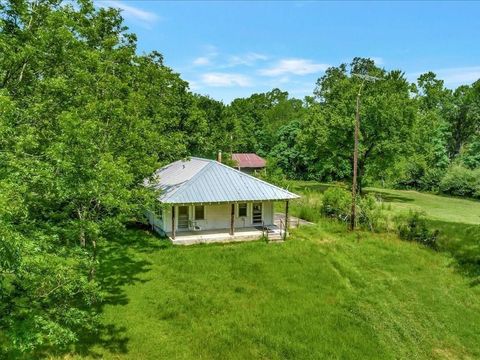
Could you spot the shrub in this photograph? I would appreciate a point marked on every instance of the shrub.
(431, 179)
(370, 212)
(418, 175)
(461, 181)
(415, 228)
(336, 203)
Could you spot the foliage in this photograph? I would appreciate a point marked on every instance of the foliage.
(336, 203)
(257, 119)
(461, 181)
(83, 120)
(387, 113)
(370, 214)
(415, 228)
(288, 153)
(273, 173)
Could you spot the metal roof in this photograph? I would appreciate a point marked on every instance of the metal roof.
(248, 160)
(207, 181)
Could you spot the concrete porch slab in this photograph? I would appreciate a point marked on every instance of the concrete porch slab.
(221, 235)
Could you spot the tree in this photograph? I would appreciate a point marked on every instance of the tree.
(84, 120)
(464, 117)
(387, 113)
(258, 118)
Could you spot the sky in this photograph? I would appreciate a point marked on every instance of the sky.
(233, 49)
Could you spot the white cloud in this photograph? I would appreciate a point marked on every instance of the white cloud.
(132, 12)
(210, 53)
(225, 80)
(202, 61)
(453, 77)
(294, 66)
(247, 59)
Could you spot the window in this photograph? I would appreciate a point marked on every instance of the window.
(242, 210)
(200, 212)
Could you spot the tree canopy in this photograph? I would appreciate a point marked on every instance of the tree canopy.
(84, 119)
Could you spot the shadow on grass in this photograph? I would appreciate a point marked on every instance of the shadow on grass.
(118, 267)
(387, 197)
(311, 187)
(462, 241)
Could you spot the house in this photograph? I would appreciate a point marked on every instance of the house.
(204, 200)
(249, 163)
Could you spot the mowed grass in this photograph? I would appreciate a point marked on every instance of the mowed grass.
(325, 293)
(397, 202)
(435, 207)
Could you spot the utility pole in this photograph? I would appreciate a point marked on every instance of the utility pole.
(355, 146)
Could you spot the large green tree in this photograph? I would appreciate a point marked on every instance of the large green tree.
(83, 121)
(387, 112)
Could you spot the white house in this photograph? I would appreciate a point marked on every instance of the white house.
(206, 201)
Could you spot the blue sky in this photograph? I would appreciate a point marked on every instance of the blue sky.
(233, 49)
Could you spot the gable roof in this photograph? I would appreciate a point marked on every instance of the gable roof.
(207, 181)
(248, 160)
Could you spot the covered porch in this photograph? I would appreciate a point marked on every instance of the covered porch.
(271, 232)
(223, 222)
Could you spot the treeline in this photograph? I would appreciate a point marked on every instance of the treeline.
(413, 135)
(84, 119)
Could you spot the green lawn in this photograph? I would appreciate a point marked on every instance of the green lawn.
(457, 219)
(325, 293)
(440, 208)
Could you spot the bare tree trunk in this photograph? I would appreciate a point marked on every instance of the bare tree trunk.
(20, 77)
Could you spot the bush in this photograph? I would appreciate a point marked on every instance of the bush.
(461, 181)
(415, 228)
(369, 212)
(336, 203)
(418, 175)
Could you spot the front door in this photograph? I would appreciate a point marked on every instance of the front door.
(257, 213)
(183, 218)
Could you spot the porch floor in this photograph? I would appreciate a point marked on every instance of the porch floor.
(222, 235)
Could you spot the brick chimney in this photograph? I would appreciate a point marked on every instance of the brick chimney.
(219, 156)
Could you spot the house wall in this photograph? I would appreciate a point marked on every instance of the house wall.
(217, 216)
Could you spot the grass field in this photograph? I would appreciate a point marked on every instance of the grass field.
(440, 208)
(325, 293)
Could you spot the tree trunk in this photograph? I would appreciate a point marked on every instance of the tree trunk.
(93, 268)
(82, 237)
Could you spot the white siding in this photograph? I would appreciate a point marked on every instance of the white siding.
(268, 212)
(217, 216)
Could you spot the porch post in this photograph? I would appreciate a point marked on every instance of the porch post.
(232, 219)
(286, 221)
(173, 222)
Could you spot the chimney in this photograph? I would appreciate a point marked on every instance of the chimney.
(219, 156)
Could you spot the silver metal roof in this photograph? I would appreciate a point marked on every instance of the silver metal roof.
(207, 181)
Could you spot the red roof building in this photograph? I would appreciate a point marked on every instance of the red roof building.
(249, 162)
